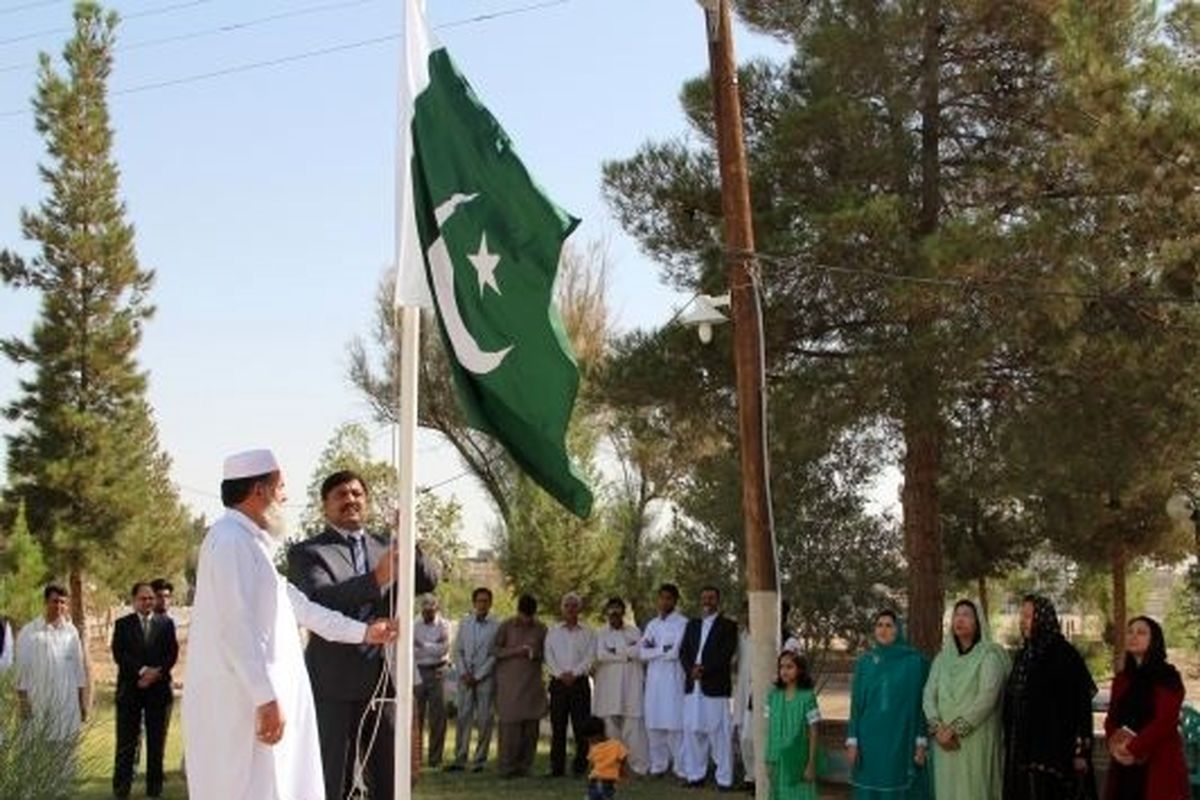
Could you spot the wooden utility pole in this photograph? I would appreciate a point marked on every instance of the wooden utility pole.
(762, 580)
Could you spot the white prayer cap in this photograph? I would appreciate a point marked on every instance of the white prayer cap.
(250, 464)
(429, 601)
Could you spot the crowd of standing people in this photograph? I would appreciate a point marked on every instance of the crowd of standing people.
(671, 700)
(973, 725)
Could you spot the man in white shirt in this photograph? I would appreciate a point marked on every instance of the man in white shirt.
(570, 650)
(250, 731)
(51, 680)
(664, 683)
(475, 663)
(431, 653)
(619, 677)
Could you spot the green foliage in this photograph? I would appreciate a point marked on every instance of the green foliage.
(85, 457)
(23, 572)
(32, 767)
(439, 530)
(546, 551)
(1182, 625)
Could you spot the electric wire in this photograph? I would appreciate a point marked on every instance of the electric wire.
(149, 12)
(27, 6)
(229, 27)
(294, 57)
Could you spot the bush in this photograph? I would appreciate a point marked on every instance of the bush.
(31, 766)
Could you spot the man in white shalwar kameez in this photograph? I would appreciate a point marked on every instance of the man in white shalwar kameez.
(250, 731)
(706, 655)
(664, 684)
(51, 679)
(618, 684)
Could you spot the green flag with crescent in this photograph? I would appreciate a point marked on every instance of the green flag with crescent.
(485, 252)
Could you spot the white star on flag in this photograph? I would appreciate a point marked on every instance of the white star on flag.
(485, 264)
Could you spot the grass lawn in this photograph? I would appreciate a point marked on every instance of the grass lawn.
(99, 743)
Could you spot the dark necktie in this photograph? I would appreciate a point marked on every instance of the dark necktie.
(358, 555)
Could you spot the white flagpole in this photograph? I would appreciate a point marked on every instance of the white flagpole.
(406, 434)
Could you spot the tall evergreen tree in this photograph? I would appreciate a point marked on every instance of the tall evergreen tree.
(85, 457)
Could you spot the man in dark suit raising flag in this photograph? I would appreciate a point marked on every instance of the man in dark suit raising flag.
(351, 571)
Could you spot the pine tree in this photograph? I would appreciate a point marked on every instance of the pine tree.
(85, 457)
(22, 572)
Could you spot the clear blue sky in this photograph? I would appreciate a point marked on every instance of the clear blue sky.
(264, 200)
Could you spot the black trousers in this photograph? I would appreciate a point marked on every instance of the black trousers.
(133, 706)
(572, 703)
(338, 727)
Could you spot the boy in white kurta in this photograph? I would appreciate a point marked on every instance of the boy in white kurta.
(664, 683)
(250, 730)
(618, 684)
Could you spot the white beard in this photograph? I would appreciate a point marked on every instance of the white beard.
(276, 521)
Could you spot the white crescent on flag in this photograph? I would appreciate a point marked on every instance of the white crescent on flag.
(441, 269)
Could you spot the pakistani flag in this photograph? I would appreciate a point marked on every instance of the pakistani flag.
(480, 242)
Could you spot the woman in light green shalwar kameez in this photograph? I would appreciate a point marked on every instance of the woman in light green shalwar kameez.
(792, 718)
(962, 706)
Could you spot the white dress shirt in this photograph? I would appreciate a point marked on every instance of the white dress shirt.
(431, 641)
(570, 650)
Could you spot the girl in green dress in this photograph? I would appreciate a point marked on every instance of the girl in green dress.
(885, 742)
(962, 704)
(792, 717)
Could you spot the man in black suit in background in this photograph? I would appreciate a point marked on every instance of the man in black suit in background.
(145, 649)
(351, 571)
(706, 656)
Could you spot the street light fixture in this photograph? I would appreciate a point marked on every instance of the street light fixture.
(703, 315)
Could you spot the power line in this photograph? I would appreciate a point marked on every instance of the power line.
(230, 27)
(295, 57)
(504, 13)
(28, 6)
(150, 12)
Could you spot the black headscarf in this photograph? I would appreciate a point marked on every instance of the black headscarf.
(1136, 707)
(1044, 635)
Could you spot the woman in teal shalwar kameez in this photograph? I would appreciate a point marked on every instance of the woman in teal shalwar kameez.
(886, 737)
(962, 704)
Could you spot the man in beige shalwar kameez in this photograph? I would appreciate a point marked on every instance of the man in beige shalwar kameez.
(520, 693)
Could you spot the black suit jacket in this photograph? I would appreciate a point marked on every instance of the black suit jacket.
(717, 657)
(132, 651)
(323, 568)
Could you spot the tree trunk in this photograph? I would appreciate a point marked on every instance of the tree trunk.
(983, 596)
(923, 533)
(79, 618)
(78, 614)
(1120, 563)
(921, 420)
